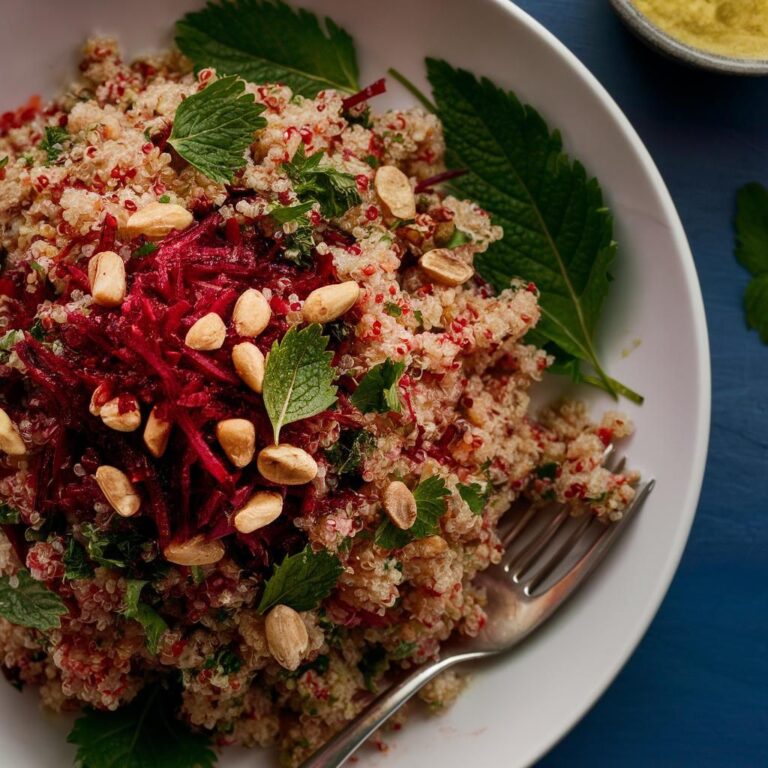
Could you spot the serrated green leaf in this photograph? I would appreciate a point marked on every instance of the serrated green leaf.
(213, 128)
(752, 252)
(557, 230)
(430, 497)
(267, 41)
(29, 603)
(302, 581)
(378, 390)
(153, 624)
(298, 379)
(143, 734)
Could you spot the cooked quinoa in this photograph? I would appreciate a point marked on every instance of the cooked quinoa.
(465, 407)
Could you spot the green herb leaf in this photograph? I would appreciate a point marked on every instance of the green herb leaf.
(302, 581)
(378, 390)
(9, 340)
(392, 309)
(154, 625)
(474, 496)
(213, 128)
(373, 665)
(283, 214)
(53, 142)
(76, 562)
(143, 734)
(335, 191)
(752, 252)
(403, 650)
(4, 161)
(430, 497)
(266, 41)
(347, 454)
(9, 515)
(298, 379)
(557, 230)
(30, 603)
(145, 250)
(225, 660)
(547, 471)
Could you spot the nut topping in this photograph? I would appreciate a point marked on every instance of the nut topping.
(445, 267)
(10, 439)
(286, 465)
(249, 364)
(400, 505)
(261, 509)
(330, 302)
(251, 313)
(156, 434)
(237, 437)
(118, 490)
(195, 551)
(128, 421)
(99, 398)
(106, 273)
(156, 220)
(207, 333)
(287, 637)
(431, 546)
(394, 190)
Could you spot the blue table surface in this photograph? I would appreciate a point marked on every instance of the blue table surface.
(695, 693)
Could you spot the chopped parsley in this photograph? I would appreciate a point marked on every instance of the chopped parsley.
(378, 391)
(392, 309)
(153, 624)
(347, 454)
(53, 142)
(76, 561)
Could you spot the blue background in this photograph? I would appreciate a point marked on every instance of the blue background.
(696, 691)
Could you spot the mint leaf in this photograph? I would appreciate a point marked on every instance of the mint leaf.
(752, 252)
(430, 497)
(335, 191)
(213, 128)
(154, 625)
(284, 214)
(557, 230)
(53, 142)
(474, 496)
(378, 390)
(302, 581)
(143, 734)
(29, 603)
(298, 379)
(76, 562)
(266, 41)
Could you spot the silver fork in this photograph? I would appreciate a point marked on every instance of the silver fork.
(549, 554)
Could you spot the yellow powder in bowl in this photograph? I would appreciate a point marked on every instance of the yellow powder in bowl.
(737, 28)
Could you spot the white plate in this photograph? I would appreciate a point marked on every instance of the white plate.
(518, 707)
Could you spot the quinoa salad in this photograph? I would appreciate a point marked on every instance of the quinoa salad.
(259, 422)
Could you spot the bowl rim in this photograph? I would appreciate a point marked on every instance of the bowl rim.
(701, 342)
(657, 38)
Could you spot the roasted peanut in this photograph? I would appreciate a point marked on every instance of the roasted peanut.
(261, 509)
(207, 333)
(394, 191)
(118, 490)
(195, 551)
(286, 465)
(106, 272)
(99, 397)
(237, 437)
(445, 267)
(249, 364)
(156, 220)
(127, 421)
(400, 505)
(10, 439)
(330, 302)
(287, 637)
(251, 313)
(156, 434)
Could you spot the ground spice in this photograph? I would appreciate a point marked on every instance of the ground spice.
(737, 28)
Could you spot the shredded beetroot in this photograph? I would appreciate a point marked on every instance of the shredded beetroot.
(439, 178)
(374, 89)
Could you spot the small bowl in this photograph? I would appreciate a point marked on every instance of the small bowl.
(659, 40)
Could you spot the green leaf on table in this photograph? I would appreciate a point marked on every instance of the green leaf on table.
(53, 142)
(143, 734)
(430, 495)
(213, 128)
(298, 379)
(153, 624)
(557, 230)
(29, 603)
(335, 191)
(302, 581)
(267, 41)
(378, 390)
(752, 252)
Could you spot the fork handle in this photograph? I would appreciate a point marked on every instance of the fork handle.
(345, 743)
